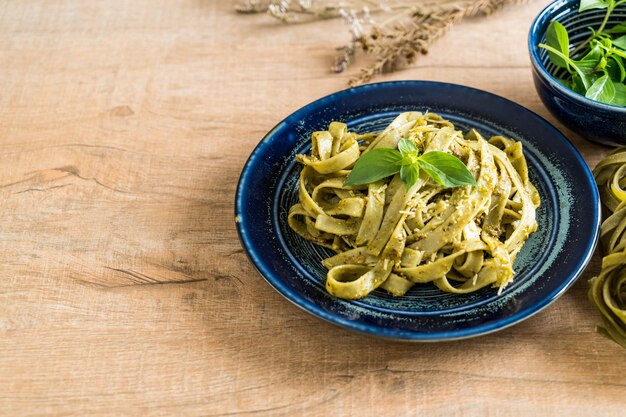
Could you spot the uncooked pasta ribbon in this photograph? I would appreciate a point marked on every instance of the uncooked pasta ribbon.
(608, 289)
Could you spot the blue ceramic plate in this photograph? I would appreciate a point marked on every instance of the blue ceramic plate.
(549, 263)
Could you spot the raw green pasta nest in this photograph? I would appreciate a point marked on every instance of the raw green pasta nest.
(393, 237)
(608, 289)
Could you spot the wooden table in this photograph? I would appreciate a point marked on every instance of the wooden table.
(123, 129)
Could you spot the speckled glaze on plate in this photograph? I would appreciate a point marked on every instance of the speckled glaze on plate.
(548, 264)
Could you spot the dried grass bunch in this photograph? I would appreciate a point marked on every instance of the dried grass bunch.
(402, 30)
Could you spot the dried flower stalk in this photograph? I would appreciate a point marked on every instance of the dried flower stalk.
(410, 27)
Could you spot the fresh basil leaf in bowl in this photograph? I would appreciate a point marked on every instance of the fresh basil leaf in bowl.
(595, 65)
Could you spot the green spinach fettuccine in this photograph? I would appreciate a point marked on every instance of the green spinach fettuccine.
(608, 289)
(393, 233)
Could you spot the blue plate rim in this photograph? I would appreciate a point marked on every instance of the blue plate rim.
(403, 335)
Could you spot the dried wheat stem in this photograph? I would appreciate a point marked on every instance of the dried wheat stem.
(396, 45)
(411, 27)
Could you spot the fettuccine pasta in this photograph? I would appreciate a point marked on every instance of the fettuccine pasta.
(608, 289)
(387, 236)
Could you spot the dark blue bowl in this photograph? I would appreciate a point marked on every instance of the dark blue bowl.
(593, 120)
(550, 261)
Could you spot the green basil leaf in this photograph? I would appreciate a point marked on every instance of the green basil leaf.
(621, 28)
(592, 4)
(374, 165)
(620, 42)
(618, 52)
(557, 38)
(408, 160)
(407, 147)
(615, 69)
(409, 174)
(566, 82)
(622, 70)
(595, 52)
(606, 41)
(585, 78)
(588, 66)
(577, 85)
(620, 95)
(445, 169)
(602, 90)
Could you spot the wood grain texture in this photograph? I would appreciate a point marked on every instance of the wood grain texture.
(124, 126)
